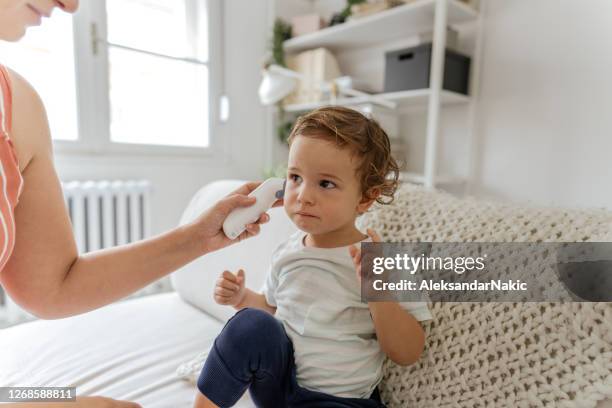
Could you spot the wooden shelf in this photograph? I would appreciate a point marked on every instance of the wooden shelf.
(398, 22)
(404, 100)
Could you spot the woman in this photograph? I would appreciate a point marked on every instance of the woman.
(39, 264)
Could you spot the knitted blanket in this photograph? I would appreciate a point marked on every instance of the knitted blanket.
(500, 354)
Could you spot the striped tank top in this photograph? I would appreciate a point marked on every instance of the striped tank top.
(11, 181)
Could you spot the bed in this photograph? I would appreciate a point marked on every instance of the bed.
(130, 350)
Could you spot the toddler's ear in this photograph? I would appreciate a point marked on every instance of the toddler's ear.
(367, 199)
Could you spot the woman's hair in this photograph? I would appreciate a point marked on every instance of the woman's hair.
(377, 169)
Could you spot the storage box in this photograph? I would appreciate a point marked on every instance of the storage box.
(316, 67)
(367, 9)
(306, 24)
(409, 68)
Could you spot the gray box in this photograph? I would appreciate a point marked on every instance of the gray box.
(409, 68)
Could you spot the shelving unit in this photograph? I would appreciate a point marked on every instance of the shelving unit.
(404, 99)
(395, 24)
(398, 22)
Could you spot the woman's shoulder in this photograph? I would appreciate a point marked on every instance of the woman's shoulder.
(21, 85)
(30, 128)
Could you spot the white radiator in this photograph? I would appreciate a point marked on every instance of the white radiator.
(108, 213)
(103, 214)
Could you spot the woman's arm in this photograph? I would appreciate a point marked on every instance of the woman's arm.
(45, 274)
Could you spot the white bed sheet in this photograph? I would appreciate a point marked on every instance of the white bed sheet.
(129, 350)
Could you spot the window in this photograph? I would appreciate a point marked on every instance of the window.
(140, 71)
(45, 57)
(158, 73)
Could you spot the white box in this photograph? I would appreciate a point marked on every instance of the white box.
(306, 24)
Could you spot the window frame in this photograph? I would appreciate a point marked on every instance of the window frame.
(92, 86)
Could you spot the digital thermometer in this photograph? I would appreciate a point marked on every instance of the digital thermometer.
(266, 194)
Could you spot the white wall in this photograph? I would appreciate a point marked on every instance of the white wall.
(176, 178)
(546, 93)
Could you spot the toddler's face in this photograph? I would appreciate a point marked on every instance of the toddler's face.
(323, 193)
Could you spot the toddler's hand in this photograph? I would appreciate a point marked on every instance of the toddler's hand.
(356, 252)
(230, 289)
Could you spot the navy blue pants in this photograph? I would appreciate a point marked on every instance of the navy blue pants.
(253, 352)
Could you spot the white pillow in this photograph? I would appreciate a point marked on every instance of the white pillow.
(195, 282)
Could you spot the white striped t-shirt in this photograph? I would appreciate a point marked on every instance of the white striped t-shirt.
(318, 299)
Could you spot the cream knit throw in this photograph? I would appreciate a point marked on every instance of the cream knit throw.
(495, 354)
(500, 354)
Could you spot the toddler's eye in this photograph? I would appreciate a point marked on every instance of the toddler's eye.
(295, 178)
(327, 184)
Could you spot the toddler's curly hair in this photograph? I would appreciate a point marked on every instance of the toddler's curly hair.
(378, 171)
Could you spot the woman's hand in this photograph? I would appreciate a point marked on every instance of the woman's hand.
(210, 224)
(355, 253)
(230, 289)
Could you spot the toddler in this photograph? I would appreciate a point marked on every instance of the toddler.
(307, 340)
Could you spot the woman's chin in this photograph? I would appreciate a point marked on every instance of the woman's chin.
(13, 35)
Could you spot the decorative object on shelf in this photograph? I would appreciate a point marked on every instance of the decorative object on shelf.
(372, 7)
(315, 67)
(410, 69)
(336, 19)
(306, 24)
(281, 32)
(278, 82)
(341, 17)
